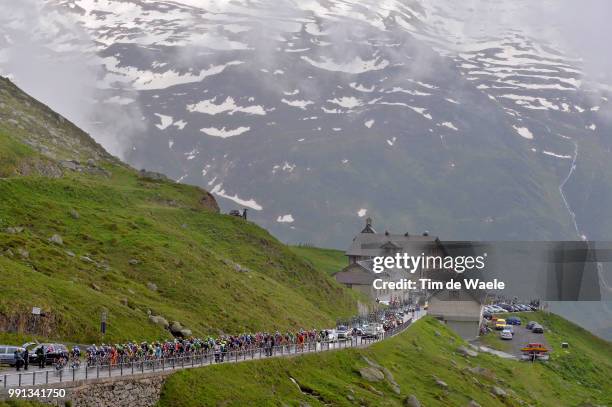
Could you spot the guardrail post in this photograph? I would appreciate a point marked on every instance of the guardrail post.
(97, 371)
(33, 378)
(73, 374)
(47, 377)
(109, 369)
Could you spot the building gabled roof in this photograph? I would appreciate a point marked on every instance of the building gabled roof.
(368, 227)
(389, 245)
(355, 275)
(373, 244)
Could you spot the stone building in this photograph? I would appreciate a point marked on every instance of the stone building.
(461, 310)
(368, 244)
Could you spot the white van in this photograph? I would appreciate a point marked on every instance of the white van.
(7, 354)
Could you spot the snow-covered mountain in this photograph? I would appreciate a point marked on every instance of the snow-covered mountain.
(318, 113)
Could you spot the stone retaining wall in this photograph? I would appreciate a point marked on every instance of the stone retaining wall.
(134, 391)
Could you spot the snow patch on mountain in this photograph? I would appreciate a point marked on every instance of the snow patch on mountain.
(149, 80)
(249, 203)
(180, 124)
(285, 218)
(450, 125)
(563, 156)
(166, 121)
(228, 106)
(361, 88)
(355, 66)
(348, 102)
(524, 132)
(302, 104)
(223, 132)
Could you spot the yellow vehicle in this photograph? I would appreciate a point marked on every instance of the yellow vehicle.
(500, 324)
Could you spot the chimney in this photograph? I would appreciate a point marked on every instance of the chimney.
(368, 221)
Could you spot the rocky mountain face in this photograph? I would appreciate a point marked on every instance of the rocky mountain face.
(316, 114)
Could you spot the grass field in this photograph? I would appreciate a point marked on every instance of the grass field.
(211, 271)
(329, 260)
(415, 359)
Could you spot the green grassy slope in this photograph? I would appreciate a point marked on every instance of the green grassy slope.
(587, 358)
(329, 260)
(132, 246)
(416, 358)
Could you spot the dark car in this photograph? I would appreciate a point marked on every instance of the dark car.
(530, 324)
(537, 329)
(52, 352)
(487, 315)
(513, 321)
(506, 307)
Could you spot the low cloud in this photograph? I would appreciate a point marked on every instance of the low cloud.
(48, 55)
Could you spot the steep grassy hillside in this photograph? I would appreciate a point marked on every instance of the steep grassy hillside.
(329, 260)
(81, 234)
(415, 360)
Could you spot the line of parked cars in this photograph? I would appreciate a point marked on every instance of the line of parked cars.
(489, 310)
(505, 326)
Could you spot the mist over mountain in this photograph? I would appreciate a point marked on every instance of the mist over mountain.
(472, 122)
